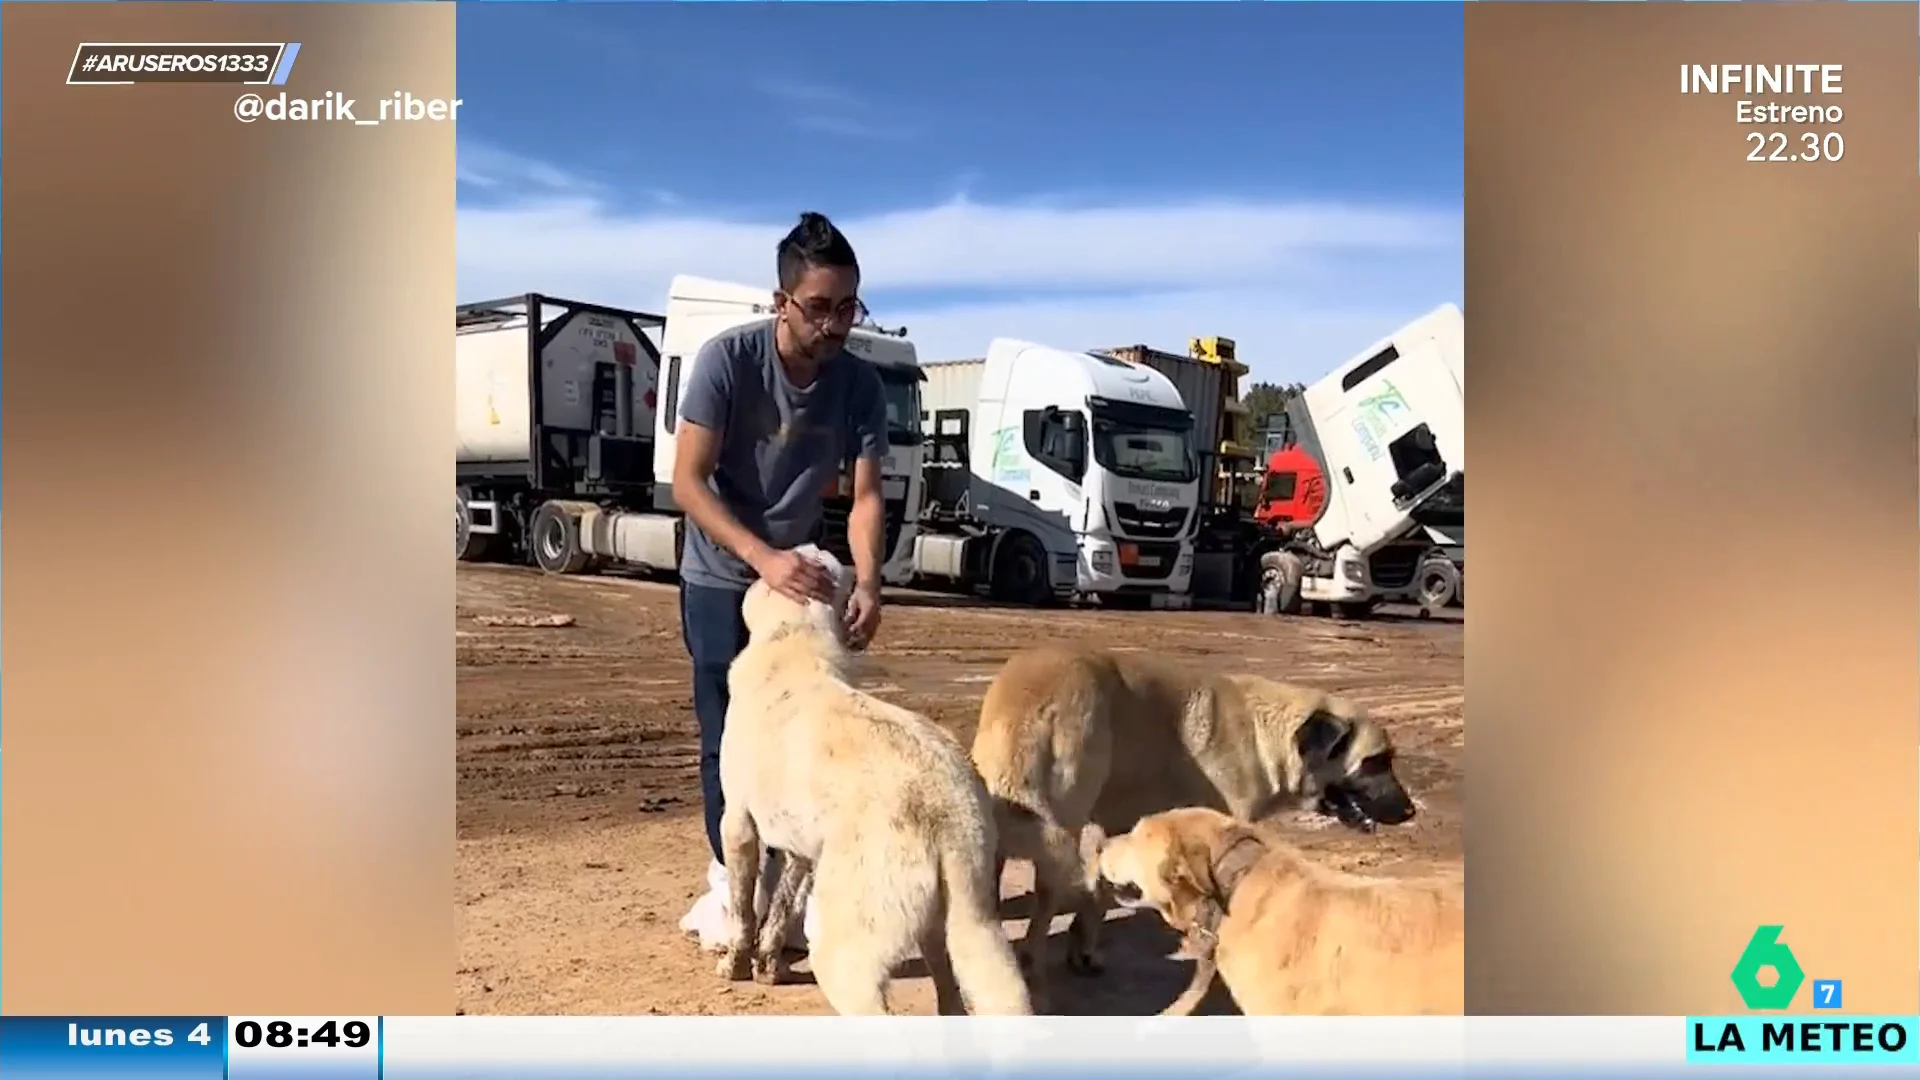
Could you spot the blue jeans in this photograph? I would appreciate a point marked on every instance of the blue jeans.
(714, 633)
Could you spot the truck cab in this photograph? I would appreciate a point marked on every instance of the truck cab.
(1390, 427)
(1369, 491)
(700, 309)
(1092, 457)
(1293, 490)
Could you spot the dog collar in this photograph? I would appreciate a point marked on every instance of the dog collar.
(1243, 849)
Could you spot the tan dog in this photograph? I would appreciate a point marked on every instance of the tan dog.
(1076, 743)
(1289, 936)
(875, 807)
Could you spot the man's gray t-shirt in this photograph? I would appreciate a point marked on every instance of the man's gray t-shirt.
(781, 446)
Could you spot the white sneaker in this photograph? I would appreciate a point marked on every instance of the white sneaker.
(707, 919)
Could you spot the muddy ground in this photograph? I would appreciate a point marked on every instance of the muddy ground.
(579, 830)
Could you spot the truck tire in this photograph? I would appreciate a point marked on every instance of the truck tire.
(554, 536)
(1020, 572)
(1280, 574)
(1439, 583)
(468, 546)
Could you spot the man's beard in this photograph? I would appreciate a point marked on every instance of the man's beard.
(828, 346)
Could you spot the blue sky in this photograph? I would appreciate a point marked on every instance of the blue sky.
(1288, 175)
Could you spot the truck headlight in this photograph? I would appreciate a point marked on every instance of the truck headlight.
(1101, 561)
(1355, 572)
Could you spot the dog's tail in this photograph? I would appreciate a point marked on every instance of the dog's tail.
(982, 958)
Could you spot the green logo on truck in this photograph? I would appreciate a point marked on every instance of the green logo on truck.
(1007, 466)
(1379, 414)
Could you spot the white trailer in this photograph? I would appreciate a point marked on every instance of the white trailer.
(564, 427)
(1053, 474)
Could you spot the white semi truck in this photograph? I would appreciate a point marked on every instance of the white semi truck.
(1384, 434)
(1054, 475)
(564, 427)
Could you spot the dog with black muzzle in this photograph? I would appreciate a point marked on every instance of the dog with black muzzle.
(1078, 743)
(1353, 760)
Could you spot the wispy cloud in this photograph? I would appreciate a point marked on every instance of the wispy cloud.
(807, 92)
(1299, 285)
(824, 109)
(490, 168)
(847, 127)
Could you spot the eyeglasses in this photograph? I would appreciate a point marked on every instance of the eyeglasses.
(822, 312)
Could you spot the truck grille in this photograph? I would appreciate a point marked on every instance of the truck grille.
(1155, 562)
(1393, 567)
(833, 529)
(1132, 519)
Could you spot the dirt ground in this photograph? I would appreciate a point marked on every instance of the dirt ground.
(579, 828)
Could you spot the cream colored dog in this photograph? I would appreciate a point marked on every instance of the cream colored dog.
(1288, 936)
(876, 810)
(1075, 743)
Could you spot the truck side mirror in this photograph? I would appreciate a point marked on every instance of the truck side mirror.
(1075, 428)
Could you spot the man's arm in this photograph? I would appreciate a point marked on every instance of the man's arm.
(867, 520)
(696, 450)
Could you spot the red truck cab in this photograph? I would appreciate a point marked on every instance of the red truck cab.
(1293, 490)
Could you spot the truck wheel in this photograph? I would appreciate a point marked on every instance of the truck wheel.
(1020, 572)
(1280, 573)
(1439, 583)
(555, 539)
(468, 546)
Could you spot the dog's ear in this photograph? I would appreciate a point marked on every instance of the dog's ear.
(1323, 737)
(1188, 871)
(1183, 892)
(751, 605)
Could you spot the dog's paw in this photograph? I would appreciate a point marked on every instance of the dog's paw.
(771, 969)
(735, 966)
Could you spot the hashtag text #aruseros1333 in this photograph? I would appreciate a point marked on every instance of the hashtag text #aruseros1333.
(110, 64)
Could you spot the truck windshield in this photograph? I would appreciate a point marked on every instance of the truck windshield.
(903, 406)
(1143, 452)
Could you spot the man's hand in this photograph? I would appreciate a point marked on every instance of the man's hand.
(795, 576)
(863, 613)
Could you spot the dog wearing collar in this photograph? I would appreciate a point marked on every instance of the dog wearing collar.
(1288, 936)
(1078, 742)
